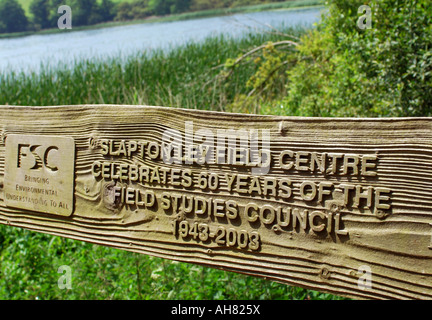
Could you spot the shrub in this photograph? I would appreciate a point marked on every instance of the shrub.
(12, 17)
(343, 70)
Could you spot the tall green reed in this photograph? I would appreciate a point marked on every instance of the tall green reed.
(183, 76)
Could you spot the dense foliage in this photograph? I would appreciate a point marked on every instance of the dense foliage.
(43, 14)
(12, 17)
(138, 9)
(339, 69)
(382, 71)
(84, 12)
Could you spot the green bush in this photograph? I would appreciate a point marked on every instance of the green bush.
(339, 69)
(343, 70)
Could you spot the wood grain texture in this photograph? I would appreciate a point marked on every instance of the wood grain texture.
(395, 245)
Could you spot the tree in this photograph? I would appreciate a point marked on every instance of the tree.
(82, 12)
(12, 17)
(180, 6)
(107, 10)
(124, 10)
(160, 7)
(40, 11)
(53, 14)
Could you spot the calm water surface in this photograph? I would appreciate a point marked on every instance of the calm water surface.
(28, 53)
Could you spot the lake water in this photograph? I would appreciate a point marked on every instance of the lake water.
(27, 53)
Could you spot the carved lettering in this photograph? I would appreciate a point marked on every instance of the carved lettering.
(218, 195)
(223, 236)
(328, 163)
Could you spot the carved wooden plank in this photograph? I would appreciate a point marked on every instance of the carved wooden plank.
(337, 205)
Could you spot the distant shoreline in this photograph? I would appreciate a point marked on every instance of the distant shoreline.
(293, 5)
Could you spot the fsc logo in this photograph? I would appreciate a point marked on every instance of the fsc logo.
(31, 158)
(39, 173)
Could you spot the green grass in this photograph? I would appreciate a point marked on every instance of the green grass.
(181, 77)
(25, 4)
(29, 265)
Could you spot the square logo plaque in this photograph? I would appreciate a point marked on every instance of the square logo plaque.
(39, 173)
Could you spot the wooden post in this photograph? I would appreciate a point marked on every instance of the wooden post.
(336, 205)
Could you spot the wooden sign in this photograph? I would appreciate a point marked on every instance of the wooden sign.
(336, 205)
